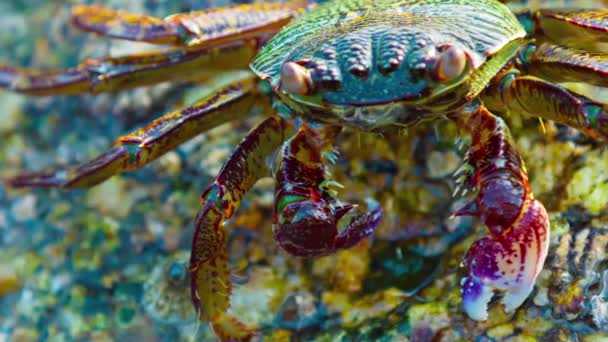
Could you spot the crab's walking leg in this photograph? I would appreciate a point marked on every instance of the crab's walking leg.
(214, 40)
(581, 62)
(510, 258)
(563, 64)
(113, 74)
(584, 29)
(194, 29)
(306, 212)
(538, 98)
(231, 100)
(305, 220)
(571, 45)
(211, 285)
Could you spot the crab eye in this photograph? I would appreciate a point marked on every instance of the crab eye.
(295, 79)
(451, 63)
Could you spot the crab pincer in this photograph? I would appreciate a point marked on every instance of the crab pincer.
(307, 215)
(512, 256)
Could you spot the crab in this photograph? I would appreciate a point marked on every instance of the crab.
(316, 69)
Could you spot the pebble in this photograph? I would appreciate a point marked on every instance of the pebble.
(111, 197)
(11, 115)
(24, 208)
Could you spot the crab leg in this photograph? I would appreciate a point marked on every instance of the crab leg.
(570, 46)
(512, 255)
(113, 74)
(536, 97)
(582, 29)
(219, 39)
(211, 285)
(563, 64)
(305, 220)
(194, 29)
(231, 100)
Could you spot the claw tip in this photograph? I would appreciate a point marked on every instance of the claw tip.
(475, 298)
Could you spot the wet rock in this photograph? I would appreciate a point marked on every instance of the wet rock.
(24, 208)
(9, 281)
(588, 186)
(578, 265)
(300, 311)
(111, 197)
(393, 265)
(166, 297)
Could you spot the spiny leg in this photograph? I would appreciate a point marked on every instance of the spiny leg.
(118, 73)
(216, 39)
(193, 29)
(563, 64)
(305, 220)
(582, 29)
(538, 98)
(566, 46)
(230, 100)
(512, 256)
(210, 286)
(581, 62)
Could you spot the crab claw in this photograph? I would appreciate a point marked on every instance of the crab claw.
(310, 228)
(509, 262)
(307, 216)
(510, 258)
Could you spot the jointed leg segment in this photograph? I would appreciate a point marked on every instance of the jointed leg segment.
(211, 287)
(230, 101)
(208, 41)
(536, 97)
(119, 73)
(194, 29)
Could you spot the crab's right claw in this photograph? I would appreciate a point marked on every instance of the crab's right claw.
(309, 228)
(307, 214)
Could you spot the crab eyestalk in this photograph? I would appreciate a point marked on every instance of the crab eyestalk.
(512, 256)
(307, 215)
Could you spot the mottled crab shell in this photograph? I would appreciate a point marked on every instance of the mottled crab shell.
(373, 52)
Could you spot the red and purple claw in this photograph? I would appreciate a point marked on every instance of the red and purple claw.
(310, 228)
(509, 262)
(510, 258)
(307, 215)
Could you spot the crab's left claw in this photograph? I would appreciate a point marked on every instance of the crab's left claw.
(307, 215)
(512, 256)
(509, 262)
